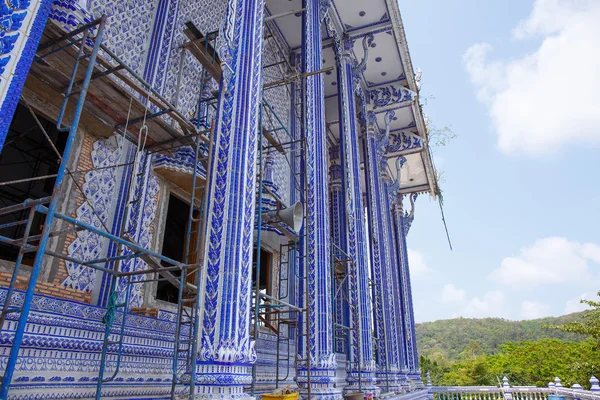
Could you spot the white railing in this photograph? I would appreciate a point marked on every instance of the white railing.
(506, 392)
(467, 393)
(529, 393)
(577, 393)
(421, 394)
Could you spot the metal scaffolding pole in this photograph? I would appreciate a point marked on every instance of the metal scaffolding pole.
(86, 42)
(26, 307)
(87, 46)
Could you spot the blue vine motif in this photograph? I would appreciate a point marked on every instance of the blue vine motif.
(387, 95)
(402, 141)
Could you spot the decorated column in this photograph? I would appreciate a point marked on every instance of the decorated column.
(402, 225)
(361, 365)
(388, 194)
(22, 25)
(316, 343)
(226, 350)
(384, 298)
(337, 212)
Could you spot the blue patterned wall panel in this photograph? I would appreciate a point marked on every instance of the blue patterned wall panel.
(106, 190)
(21, 25)
(61, 353)
(226, 348)
(128, 28)
(99, 188)
(412, 356)
(317, 266)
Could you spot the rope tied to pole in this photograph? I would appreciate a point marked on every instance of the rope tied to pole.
(111, 308)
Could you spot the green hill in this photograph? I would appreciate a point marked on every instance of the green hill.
(451, 337)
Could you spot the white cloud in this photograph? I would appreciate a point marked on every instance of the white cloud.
(451, 294)
(575, 305)
(548, 261)
(491, 304)
(534, 309)
(592, 252)
(417, 265)
(549, 98)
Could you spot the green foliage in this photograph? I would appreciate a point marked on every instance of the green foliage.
(451, 338)
(537, 363)
(589, 325)
(525, 364)
(440, 136)
(437, 367)
(477, 352)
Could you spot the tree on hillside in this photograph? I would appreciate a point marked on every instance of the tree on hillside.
(473, 350)
(524, 363)
(455, 339)
(437, 366)
(537, 363)
(589, 325)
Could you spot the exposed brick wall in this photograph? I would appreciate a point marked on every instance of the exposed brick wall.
(83, 163)
(148, 312)
(47, 288)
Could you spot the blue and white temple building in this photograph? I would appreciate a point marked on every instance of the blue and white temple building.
(208, 199)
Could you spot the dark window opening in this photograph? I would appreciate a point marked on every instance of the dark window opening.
(265, 260)
(173, 244)
(264, 286)
(27, 154)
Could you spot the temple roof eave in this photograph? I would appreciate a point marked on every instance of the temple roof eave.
(388, 81)
(400, 36)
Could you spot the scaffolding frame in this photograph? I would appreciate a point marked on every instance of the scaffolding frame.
(98, 63)
(339, 257)
(86, 43)
(284, 313)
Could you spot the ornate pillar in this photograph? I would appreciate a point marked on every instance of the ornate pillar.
(388, 195)
(22, 26)
(403, 222)
(361, 365)
(337, 211)
(384, 298)
(226, 351)
(316, 343)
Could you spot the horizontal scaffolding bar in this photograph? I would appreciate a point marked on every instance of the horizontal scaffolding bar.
(144, 118)
(158, 270)
(109, 259)
(69, 35)
(11, 224)
(340, 326)
(16, 243)
(267, 297)
(291, 79)
(109, 236)
(177, 115)
(284, 14)
(76, 261)
(35, 178)
(26, 204)
(175, 139)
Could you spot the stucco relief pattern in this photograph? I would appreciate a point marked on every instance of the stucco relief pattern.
(99, 188)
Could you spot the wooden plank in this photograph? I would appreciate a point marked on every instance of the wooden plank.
(267, 324)
(47, 102)
(185, 125)
(108, 100)
(272, 141)
(198, 50)
(155, 264)
(181, 179)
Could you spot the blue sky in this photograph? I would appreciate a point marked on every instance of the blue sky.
(519, 82)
